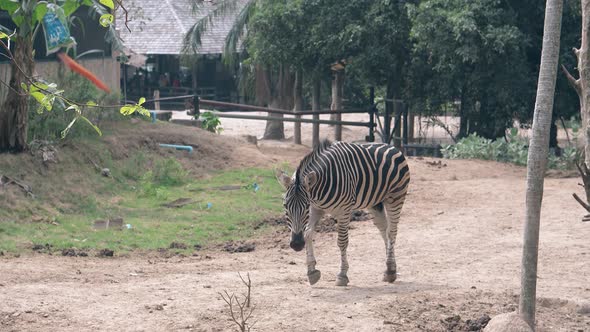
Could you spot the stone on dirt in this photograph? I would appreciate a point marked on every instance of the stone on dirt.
(508, 322)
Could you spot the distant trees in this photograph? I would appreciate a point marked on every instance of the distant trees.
(479, 57)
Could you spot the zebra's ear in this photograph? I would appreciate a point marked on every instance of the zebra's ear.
(310, 179)
(284, 179)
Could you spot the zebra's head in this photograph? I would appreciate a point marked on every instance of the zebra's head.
(297, 207)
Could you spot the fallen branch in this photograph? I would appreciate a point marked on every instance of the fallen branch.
(5, 180)
(584, 205)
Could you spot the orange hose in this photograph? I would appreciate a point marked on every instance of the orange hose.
(76, 67)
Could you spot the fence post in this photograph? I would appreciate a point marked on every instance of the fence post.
(315, 106)
(387, 122)
(156, 100)
(298, 97)
(397, 128)
(196, 108)
(372, 111)
(405, 124)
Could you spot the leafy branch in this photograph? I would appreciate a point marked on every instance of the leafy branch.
(47, 94)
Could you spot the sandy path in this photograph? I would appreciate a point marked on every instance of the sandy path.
(458, 253)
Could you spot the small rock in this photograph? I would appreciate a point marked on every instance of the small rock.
(509, 322)
(292, 263)
(105, 172)
(69, 252)
(206, 286)
(387, 322)
(251, 139)
(178, 245)
(45, 315)
(584, 309)
(28, 311)
(16, 314)
(106, 253)
(159, 307)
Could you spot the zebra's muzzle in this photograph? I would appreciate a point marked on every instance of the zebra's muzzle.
(297, 241)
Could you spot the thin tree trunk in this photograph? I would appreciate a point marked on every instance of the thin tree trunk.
(282, 98)
(537, 158)
(298, 95)
(463, 112)
(315, 106)
(14, 112)
(337, 92)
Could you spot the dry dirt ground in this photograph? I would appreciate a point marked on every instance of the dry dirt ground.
(458, 254)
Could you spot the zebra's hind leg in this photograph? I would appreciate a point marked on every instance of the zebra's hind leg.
(379, 220)
(343, 221)
(393, 208)
(313, 275)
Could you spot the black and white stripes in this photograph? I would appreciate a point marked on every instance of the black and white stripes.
(338, 179)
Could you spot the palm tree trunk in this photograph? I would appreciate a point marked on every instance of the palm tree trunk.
(315, 106)
(282, 98)
(298, 95)
(337, 92)
(14, 112)
(537, 158)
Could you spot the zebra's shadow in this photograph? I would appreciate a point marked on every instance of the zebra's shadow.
(353, 293)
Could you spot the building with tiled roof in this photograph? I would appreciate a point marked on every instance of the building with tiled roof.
(155, 41)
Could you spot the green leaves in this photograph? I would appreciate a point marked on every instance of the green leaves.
(137, 108)
(106, 20)
(9, 5)
(65, 132)
(39, 12)
(107, 3)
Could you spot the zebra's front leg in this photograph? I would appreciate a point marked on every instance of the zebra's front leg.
(343, 221)
(313, 275)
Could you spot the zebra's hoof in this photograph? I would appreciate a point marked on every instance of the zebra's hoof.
(389, 276)
(314, 276)
(341, 281)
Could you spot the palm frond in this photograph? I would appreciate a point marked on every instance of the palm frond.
(237, 32)
(192, 40)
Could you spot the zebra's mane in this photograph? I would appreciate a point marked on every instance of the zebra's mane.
(313, 155)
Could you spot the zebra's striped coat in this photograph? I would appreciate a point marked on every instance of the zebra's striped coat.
(338, 179)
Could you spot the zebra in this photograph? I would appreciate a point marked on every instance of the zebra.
(338, 178)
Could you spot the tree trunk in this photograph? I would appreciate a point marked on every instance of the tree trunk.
(463, 115)
(282, 98)
(315, 106)
(14, 112)
(389, 94)
(537, 158)
(582, 85)
(337, 93)
(298, 96)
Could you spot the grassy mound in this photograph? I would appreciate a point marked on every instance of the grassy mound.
(222, 190)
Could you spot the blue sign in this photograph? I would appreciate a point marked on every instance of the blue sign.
(57, 33)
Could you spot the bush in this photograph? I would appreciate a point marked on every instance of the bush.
(49, 125)
(512, 150)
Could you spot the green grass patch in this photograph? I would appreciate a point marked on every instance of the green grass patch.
(215, 215)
